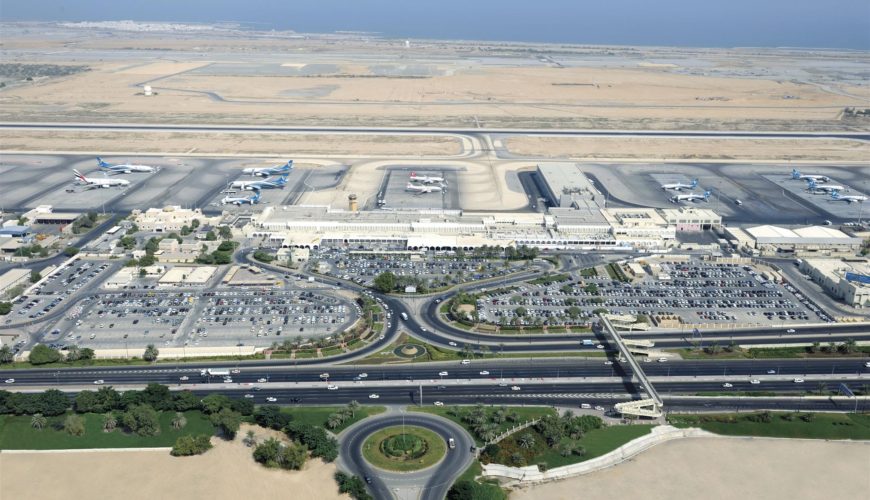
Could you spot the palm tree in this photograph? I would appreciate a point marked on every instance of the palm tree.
(179, 421)
(38, 421)
(526, 440)
(109, 422)
(821, 387)
(6, 355)
(353, 406)
(333, 421)
(250, 439)
(566, 449)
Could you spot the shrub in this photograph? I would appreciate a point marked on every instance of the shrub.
(186, 446)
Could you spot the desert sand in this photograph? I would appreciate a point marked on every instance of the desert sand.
(714, 468)
(227, 471)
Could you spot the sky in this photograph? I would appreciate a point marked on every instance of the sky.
(686, 23)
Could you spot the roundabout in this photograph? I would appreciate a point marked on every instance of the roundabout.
(403, 449)
(417, 442)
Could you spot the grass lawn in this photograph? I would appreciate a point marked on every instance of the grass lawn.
(524, 413)
(425, 448)
(16, 433)
(484, 489)
(770, 353)
(821, 425)
(306, 354)
(318, 415)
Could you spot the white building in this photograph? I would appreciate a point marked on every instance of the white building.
(170, 218)
(12, 278)
(847, 280)
(811, 241)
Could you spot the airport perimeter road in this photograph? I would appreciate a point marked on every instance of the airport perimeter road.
(478, 370)
(431, 483)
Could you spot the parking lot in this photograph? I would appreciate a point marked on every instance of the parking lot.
(218, 317)
(697, 291)
(435, 269)
(49, 295)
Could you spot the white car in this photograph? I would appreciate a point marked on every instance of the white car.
(484, 372)
(363, 375)
(586, 406)
(798, 381)
(608, 362)
(755, 381)
(332, 387)
(790, 330)
(236, 371)
(439, 403)
(262, 380)
(771, 372)
(228, 380)
(599, 408)
(452, 344)
(515, 387)
(373, 396)
(271, 399)
(382, 337)
(465, 362)
(727, 385)
(662, 360)
(249, 396)
(99, 382)
(442, 374)
(184, 378)
(422, 329)
(601, 346)
(10, 380)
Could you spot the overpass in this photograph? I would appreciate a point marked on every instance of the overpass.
(652, 405)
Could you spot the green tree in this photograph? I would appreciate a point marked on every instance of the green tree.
(210, 236)
(526, 440)
(227, 421)
(250, 438)
(6, 355)
(385, 282)
(86, 353)
(191, 445)
(74, 425)
(225, 232)
(42, 354)
(35, 276)
(70, 251)
(267, 452)
(151, 353)
(214, 403)
(5, 308)
(521, 311)
(147, 260)
(142, 419)
(38, 421)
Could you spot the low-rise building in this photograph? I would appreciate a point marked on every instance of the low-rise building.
(811, 241)
(844, 279)
(12, 278)
(170, 218)
(187, 276)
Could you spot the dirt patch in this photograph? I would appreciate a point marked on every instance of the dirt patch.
(725, 469)
(225, 472)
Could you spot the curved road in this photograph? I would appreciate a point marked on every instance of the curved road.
(438, 478)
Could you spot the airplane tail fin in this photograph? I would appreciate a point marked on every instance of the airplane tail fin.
(694, 182)
(707, 194)
(413, 175)
(835, 194)
(289, 165)
(101, 163)
(795, 174)
(79, 175)
(256, 197)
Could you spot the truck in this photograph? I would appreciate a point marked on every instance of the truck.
(404, 316)
(588, 342)
(215, 372)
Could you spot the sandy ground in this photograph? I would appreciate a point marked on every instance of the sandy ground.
(225, 472)
(713, 468)
(682, 148)
(458, 90)
(218, 143)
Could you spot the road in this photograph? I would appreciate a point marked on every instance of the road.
(383, 484)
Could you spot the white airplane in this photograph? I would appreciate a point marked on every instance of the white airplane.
(267, 171)
(426, 179)
(835, 196)
(679, 186)
(796, 175)
(100, 183)
(270, 183)
(812, 186)
(122, 168)
(422, 189)
(691, 197)
(241, 200)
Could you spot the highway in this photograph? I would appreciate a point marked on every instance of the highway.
(437, 480)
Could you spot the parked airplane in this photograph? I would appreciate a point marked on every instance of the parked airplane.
(96, 182)
(812, 186)
(422, 189)
(835, 196)
(122, 168)
(691, 197)
(269, 183)
(426, 179)
(678, 186)
(241, 200)
(267, 171)
(796, 175)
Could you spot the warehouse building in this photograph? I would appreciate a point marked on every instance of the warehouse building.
(811, 241)
(12, 278)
